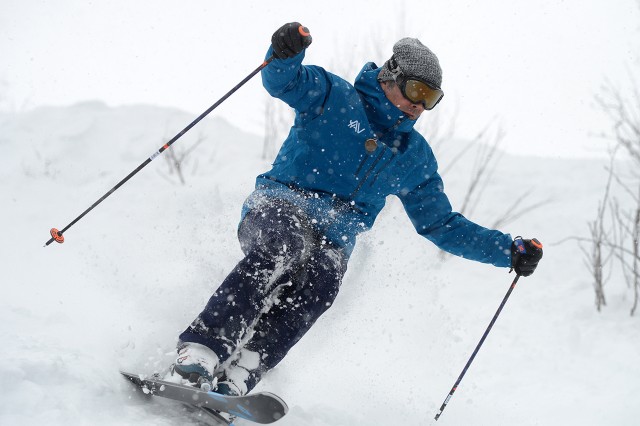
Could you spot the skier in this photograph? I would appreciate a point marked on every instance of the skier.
(349, 148)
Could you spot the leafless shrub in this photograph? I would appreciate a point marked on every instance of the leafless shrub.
(620, 234)
(178, 157)
(598, 254)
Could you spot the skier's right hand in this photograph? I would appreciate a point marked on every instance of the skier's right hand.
(289, 40)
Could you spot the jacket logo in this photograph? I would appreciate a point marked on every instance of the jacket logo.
(355, 125)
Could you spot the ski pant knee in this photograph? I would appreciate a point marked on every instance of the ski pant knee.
(277, 230)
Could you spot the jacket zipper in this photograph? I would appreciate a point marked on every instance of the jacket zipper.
(367, 173)
(384, 166)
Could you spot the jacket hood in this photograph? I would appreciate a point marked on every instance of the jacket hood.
(382, 114)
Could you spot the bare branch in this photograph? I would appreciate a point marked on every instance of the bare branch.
(483, 164)
(517, 210)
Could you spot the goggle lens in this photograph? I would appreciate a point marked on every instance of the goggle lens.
(420, 93)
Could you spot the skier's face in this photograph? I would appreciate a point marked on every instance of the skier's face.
(394, 94)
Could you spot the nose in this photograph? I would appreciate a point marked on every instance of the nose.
(418, 107)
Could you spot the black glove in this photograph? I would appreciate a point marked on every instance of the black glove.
(525, 255)
(289, 40)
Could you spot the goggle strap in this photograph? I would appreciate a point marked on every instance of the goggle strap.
(394, 68)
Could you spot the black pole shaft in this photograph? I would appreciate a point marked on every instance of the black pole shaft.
(164, 147)
(475, 352)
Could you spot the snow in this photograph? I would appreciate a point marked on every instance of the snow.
(137, 269)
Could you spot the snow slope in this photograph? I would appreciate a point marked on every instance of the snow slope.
(136, 270)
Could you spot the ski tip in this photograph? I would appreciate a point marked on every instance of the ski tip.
(132, 376)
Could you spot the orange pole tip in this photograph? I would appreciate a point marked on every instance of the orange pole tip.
(57, 236)
(304, 31)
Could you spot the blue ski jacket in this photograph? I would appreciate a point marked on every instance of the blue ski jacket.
(348, 149)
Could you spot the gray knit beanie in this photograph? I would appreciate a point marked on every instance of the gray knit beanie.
(414, 59)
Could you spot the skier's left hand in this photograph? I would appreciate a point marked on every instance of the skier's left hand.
(525, 255)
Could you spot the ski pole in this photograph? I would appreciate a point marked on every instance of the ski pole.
(484, 336)
(58, 237)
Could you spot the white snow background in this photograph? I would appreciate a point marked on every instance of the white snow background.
(135, 271)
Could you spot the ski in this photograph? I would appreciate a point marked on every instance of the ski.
(261, 407)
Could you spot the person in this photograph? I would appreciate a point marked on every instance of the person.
(349, 148)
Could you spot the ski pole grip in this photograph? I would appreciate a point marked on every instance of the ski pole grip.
(306, 35)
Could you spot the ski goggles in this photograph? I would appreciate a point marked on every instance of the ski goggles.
(414, 89)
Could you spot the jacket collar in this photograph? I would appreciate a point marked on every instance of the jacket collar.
(381, 113)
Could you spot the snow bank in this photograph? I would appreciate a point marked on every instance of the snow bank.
(136, 270)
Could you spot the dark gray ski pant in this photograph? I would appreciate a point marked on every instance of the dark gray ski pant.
(288, 278)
